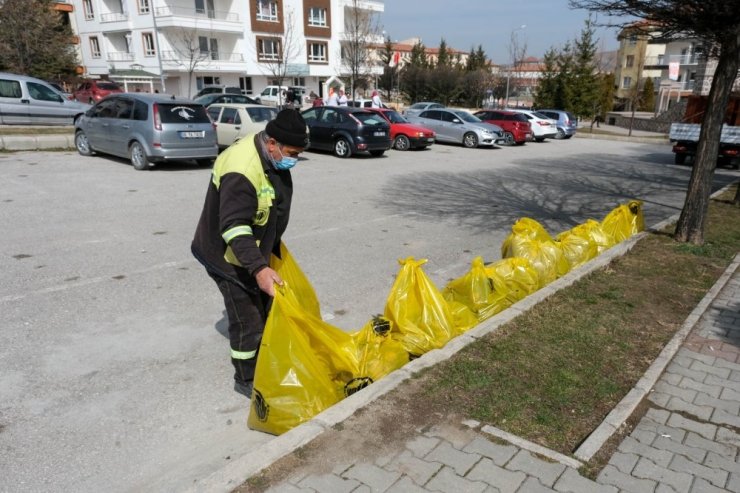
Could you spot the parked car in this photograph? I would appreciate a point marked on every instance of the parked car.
(234, 121)
(218, 90)
(213, 98)
(404, 134)
(566, 122)
(459, 126)
(517, 129)
(273, 95)
(347, 131)
(29, 101)
(92, 90)
(147, 129)
(417, 108)
(542, 126)
(363, 103)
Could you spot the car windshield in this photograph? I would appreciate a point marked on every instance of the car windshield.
(370, 118)
(183, 113)
(395, 117)
(467, 117)
(418, 106)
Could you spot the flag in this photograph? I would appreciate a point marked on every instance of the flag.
(395, 59)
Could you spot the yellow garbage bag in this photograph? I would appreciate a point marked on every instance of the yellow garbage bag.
(478, 291)
(462, 316)
(517, 275)
(378, 353)
(545, 256)
(288, 269)
(577, 245)
(593, 230)
(304, 365)
(624, 221)
(420, 315)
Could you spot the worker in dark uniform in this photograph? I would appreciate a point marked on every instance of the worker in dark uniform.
(245, 214)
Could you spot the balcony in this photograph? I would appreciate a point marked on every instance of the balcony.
(214, 60)
(691, 59)
(207, 20)
(653, 62)
(113, 17)
(119, 56)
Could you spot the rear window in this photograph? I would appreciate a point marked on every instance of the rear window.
(519, 117)
(540, 115)
(183, 113)
(232, 90)
(262, 114)
(370, 118)
(10, 88)
(108, 86)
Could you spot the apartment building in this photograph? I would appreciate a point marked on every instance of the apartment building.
(180, 46)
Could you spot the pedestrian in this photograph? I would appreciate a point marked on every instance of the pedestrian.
(317, 101)
(376, 103)
(333, 100)
(245, 214)
(342, 99)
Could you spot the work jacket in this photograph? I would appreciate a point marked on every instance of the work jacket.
(246, 211)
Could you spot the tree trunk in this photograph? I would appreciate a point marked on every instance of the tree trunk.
(692, 222)
(736, 200)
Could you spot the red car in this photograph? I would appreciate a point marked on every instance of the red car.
(404, 134)
(517, 129)
(91, 90)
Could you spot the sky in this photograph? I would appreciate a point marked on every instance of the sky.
(489, 23)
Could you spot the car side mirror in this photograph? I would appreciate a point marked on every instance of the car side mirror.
(456, 120)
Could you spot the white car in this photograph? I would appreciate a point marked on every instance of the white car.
(273, 95)
(233, 121)
(542, 126)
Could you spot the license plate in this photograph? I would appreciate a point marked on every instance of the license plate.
(379, 134)
(192, 135)
(430, 139)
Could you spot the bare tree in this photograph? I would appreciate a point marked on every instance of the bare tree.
(191, 54)
(517, 52)
(717, 23)
(360, 29)
(274, 53)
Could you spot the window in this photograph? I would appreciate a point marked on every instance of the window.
(630, 61)
(626, 82)
(245, 84)
(267, 11)
(317, 17)
(317, 52)
(208, 46)
(299, 81)
(632, 40)
(229, 116)
(88, 8)
(268, 49)
(94, 47)
(207, 80)
(148, 39)
(144, 6)
(10, 89)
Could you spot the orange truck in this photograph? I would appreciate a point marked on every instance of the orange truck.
(685, 134)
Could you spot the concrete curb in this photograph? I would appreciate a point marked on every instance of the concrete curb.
(36, 142)
(624, 138)
(242, 468)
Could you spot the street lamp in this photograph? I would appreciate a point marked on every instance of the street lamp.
(508, 72)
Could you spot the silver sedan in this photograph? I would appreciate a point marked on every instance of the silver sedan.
(459, 126)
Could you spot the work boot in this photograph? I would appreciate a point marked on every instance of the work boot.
(245, 388)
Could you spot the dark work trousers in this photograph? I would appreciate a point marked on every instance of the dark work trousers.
(247, 311)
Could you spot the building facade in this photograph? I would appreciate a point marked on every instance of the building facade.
(181, 46)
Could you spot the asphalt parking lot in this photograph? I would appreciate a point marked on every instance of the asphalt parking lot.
(114, 369)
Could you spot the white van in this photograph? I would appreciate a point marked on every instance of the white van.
(271, 95)
(29, 101)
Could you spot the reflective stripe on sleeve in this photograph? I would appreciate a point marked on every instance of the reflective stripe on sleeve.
(243, 354)
(232, 233)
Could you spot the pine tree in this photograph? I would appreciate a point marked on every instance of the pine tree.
(584, 93)
(547, 87)
(34, 40)
(443, 56)
(647, 100)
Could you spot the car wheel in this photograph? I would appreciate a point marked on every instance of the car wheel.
(470, 140)
(82, 144)
(342, 148)
(138, 156)
(568, 137)
(679, 158)
(377, 153)
(204, 163)
(509, 138)
(560, 135)
(401, 143)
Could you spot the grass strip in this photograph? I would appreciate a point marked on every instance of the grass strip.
(553, 374)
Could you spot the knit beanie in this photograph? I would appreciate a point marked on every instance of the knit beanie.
(288, 128)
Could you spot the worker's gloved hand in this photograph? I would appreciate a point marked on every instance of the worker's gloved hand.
(266, 280)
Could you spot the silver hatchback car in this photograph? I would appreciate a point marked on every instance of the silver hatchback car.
(459, 126)
(147, 129)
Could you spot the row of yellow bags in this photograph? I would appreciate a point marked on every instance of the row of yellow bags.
(305, 365)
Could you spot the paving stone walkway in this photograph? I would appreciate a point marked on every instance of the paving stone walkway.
(687, 442)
